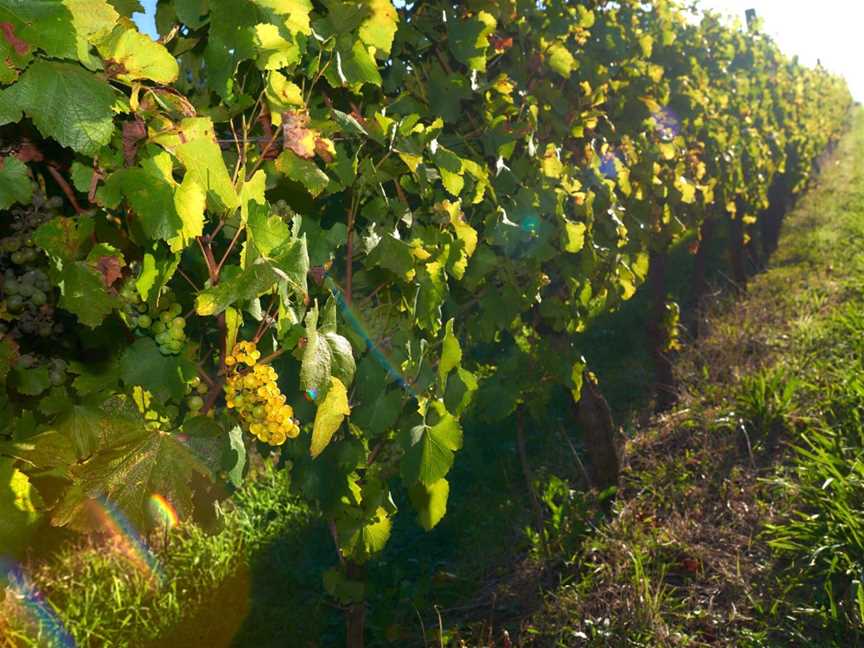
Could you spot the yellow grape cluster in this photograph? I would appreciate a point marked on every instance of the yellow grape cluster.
(251, 389)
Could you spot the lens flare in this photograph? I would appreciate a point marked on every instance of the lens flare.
(51, 629)
(127, 539)
(352, 320)
(163, 511)
(311, 394)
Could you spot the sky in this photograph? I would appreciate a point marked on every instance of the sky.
(826, 30)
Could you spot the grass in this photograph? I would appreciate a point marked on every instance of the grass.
(101, 596)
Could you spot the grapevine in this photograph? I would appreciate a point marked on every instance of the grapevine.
(438, 195)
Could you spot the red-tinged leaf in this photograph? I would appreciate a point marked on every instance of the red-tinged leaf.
(110, 269)
(133, 132)
(19, 45)
(296, 135)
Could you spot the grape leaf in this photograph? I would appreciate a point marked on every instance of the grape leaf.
(83, 293)
(136, 56)
(361, 539)
(165, 376)
(85, 122)
(15, 185)
(65, 238)
(451, 353)
(289, 266)
(430, 502)
(429, 453)
(329, 416)
(303, 171)
(134, 466)
(193, 142)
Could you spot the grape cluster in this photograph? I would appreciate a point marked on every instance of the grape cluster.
(163, 322)
(195, 390)
(26, 291)
(251, 389)
(58, 370)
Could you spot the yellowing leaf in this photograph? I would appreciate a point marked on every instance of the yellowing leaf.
(380, 27)
(687, 189)
(190, 200)
(551, 164)
(574, 237)
(131, 55)
(667, 150)
(331, 412)
(282, 95)
(561, 60)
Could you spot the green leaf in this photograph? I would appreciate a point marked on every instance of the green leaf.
(65, 238)
(306, 172)
(129, 469)
(150, 190)
(238, 463)
(289, 266)
(429, 455)
(342, 358)
(355, 66)
(83, 293)
(165, 376)
(331, 412)
(84, 124)
(266, 231)
(62, 29)
(156, 271)
(360, 540)
(137, 56)
(315, 368)
(451, 352)
(378, 413)
(15, 185)
(87, 428)
(393, 255)
(127, 7)
(19, 514)
(469, 38)
(31, 382)
(430, 502)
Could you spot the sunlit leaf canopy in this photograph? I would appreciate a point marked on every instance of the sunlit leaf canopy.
(410, 213)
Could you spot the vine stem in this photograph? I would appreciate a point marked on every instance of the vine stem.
(349, 251)
(65, 187)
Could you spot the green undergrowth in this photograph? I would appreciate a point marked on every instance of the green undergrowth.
(110, 592)
(740, 521)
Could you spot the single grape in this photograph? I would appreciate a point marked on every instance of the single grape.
(195, 403)
(15, 303)
(144, 321)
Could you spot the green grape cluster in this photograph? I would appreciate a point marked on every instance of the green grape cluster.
(163, 322)
(26, 295)
(252, 390)
(195, 391)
